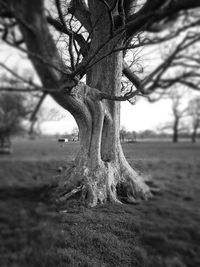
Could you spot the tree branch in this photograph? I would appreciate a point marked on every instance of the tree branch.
(77, 36)
(131, 76)
(154, 11)
(79, 9)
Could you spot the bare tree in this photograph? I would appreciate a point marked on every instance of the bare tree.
(75, 134)
(122, 134)
(42, 115)
(69, 40)
(12, 111)
(178, 113)
(194, 113)
(127, 136)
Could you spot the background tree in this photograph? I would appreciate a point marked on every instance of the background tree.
(42, 115)
(177, 96)
(75, 134)
(122, 134)
(91, 40)
(127, 136)
(12, 112)
(194, 113)
(178, 113)
(146, 134)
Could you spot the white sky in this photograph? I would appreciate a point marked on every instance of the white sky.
(141, 116)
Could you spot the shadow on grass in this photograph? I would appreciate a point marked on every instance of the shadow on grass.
(163, 232)
(37, 232)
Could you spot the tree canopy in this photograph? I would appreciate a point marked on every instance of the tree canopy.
(69, 27)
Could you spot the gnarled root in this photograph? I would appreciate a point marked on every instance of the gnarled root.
(108, 181)
(87, 184)
(132, 187)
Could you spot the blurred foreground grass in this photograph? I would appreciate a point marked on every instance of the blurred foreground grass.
(162, 232)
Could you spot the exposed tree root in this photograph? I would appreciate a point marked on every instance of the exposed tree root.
(116, 183)
(66, 195)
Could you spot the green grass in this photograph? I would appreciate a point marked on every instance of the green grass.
(37, 231)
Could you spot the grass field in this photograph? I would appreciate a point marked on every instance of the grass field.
(37, 231)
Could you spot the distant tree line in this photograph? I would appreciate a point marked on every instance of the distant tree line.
(127, 136)
(132, 137)
(185, 121)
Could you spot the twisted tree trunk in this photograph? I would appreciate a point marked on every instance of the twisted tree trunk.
(100, 171)
(101, 166)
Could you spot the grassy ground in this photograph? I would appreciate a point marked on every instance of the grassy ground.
(163, 232)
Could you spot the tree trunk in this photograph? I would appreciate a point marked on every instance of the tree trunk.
(175, 133)
(100, 171)
(175, 137)
(194, 134)
(100, 168)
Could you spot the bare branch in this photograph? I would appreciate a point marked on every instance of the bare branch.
(133, 78)
(17, 89)
(155, 11)
(80, 11)
(34, 113)
(78, 37)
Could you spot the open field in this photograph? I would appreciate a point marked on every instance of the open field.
(162, 232)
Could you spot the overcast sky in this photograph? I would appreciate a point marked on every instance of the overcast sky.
(141, 116)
